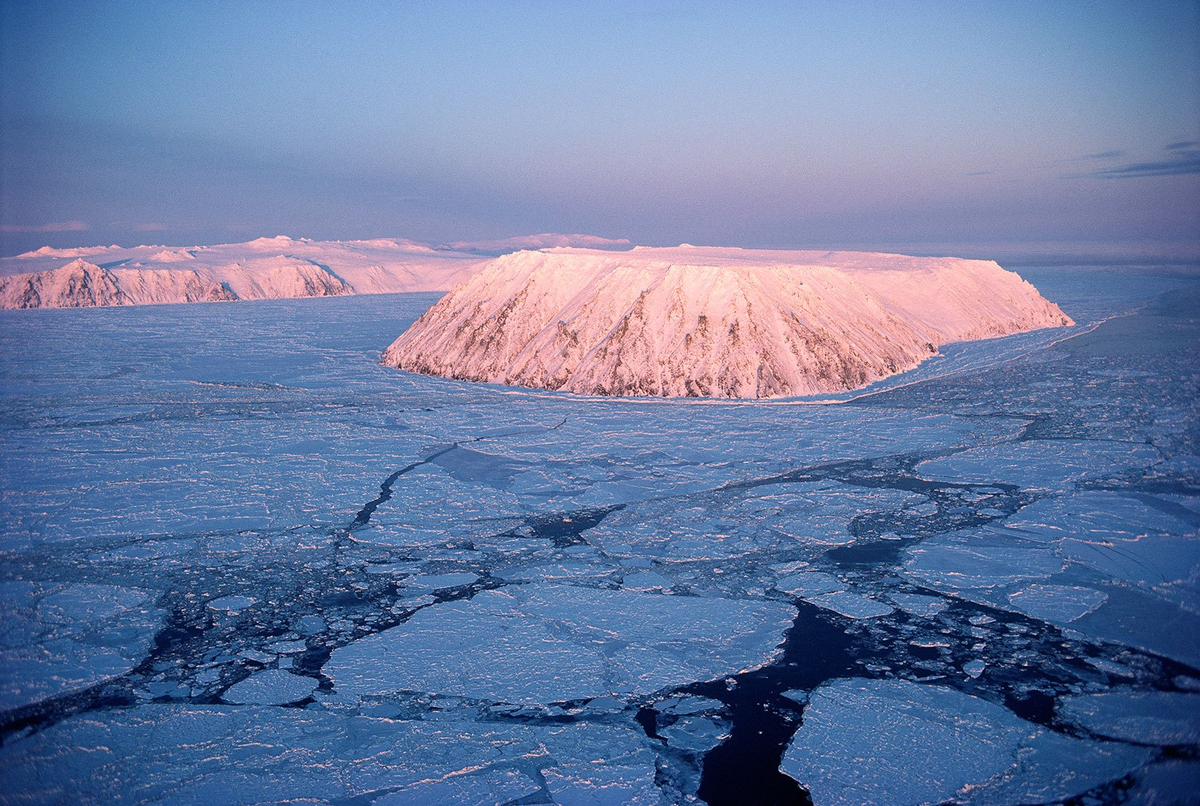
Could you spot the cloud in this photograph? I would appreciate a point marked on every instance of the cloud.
(542, 241)
(1180, 158)
(56, 226)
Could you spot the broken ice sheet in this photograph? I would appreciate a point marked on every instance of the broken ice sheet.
(1147, 717)
(918, 604)
(1058, 604)
(895, 742)
(1101, 516)
(851, 605)
(603, 784)
(1039, 464)
(56, 639)
(250, 754)
(469, 789)
(797, 517)
(809, 583)
(542, 643)
(270, 687)
(980, 558)
(232, 603)
(430, 582)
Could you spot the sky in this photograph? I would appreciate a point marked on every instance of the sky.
(951, 126)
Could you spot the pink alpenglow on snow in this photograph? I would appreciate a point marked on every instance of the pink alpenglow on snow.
(265, 268)
(712, 322)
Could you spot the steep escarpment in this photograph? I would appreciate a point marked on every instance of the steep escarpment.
(709, 322)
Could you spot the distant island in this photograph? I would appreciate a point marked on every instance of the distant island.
(264, 268)
(712, 322)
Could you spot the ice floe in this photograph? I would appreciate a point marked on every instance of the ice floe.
(895, 742)
(64, 638)
(551, 643)
(1146, 717)
(270, 687)
(1040, 464)
(249, 754)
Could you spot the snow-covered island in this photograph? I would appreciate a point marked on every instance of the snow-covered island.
(712, 322)
(265, 268)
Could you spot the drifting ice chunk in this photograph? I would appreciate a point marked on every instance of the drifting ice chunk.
(1060, 604)
(549, 643)
(851, 605)
(430, 582)
(231, 604)
(270, 687)
(979, 559)
(1148, 717)
(809, 583)
(918, 604)
(895, 742)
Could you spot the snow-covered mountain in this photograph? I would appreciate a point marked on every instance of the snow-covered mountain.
(266, 268)
(712, 322)
(81, 284)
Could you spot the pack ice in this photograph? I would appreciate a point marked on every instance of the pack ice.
(712, 322)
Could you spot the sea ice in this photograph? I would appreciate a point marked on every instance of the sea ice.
(429, 582)
(1168, 783)
(1040, 464)
(980, 559)
(851, 605)
(895, 742)
(57, 639)
(214, 755)
(270, 687)
(487, 788)
(231, 604)
(1059, 604)
(809, 583)
(918, 604)
(545, 643)
(1146, 717)
(603, 785)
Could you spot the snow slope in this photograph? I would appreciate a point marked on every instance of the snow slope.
(82, 284)
(712, 322)
(266, 268)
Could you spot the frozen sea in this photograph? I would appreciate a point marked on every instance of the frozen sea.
(243, 563)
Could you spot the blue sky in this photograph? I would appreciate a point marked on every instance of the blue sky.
(919, 124)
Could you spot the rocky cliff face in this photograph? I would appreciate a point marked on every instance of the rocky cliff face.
(703, 322)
